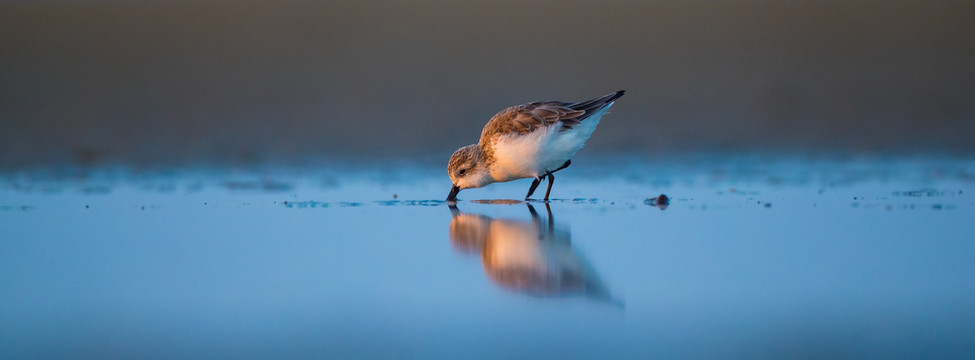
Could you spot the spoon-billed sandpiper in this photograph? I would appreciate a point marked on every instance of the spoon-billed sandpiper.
(533, 140)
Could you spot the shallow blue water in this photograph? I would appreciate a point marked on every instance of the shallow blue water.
(753, 258)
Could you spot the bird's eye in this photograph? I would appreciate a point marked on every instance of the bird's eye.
(462, 172)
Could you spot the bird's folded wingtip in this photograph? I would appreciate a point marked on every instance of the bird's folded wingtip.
(616, 95)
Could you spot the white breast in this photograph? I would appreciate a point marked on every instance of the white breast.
(526, 156)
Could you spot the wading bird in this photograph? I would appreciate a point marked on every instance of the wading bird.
(532, 140)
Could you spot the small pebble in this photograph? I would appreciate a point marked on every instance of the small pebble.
(660, 202)
(663, 199)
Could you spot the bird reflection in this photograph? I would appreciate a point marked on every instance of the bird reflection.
(531, 257)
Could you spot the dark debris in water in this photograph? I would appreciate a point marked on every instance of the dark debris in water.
(584, 200)
(907, 206)
(919, 193)
(305, 204)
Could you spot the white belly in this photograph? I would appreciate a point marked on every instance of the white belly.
(531, 155)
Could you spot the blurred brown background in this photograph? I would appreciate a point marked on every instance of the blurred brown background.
(171, 82)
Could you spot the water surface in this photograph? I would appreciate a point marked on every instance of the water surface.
(752, 258)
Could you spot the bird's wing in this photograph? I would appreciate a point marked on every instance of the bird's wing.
(524, 119)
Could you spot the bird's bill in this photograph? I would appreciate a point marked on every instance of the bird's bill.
(453, 193)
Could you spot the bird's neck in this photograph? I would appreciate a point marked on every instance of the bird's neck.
(486, 152)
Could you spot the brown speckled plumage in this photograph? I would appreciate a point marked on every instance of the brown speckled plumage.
(526, 118)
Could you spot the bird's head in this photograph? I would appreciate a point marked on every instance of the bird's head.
(467, 169)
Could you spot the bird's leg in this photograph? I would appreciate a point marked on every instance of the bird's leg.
(535, 183)
(567, 163)
(551, 179)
